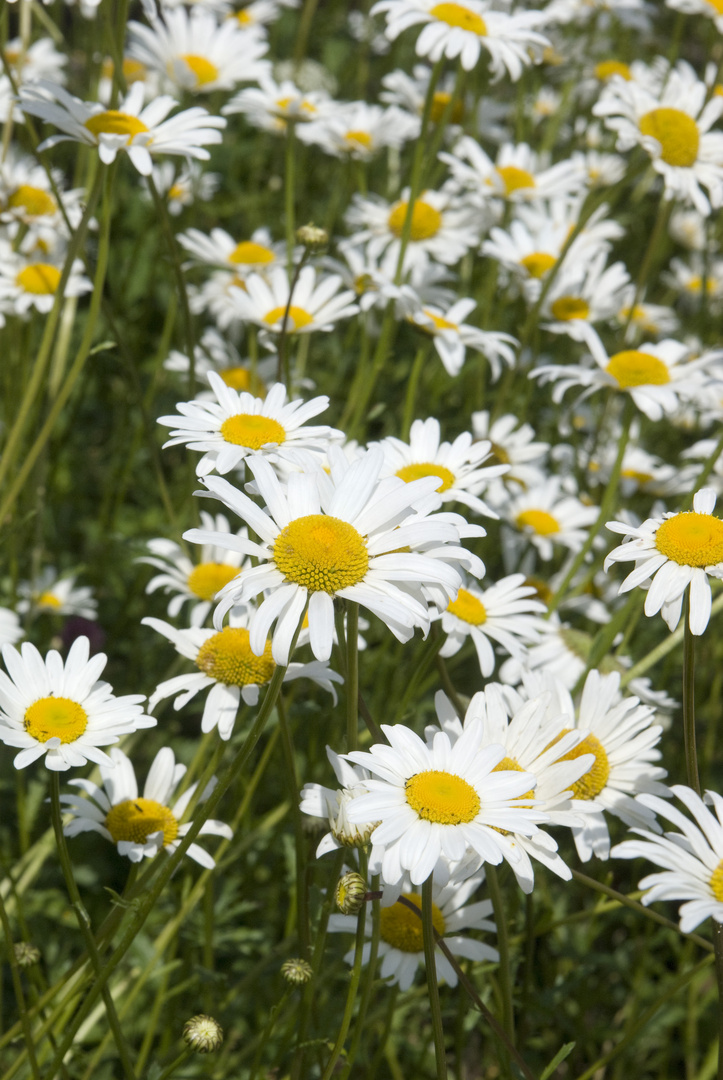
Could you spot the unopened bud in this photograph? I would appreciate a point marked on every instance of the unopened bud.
(350, 893)
(203, 1034)
(312, 237)
(296, 971)
(26, 955)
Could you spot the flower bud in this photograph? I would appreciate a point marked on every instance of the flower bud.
(296, 971)
(350, 893)
(312, 237)
(26, 955)
(203, 1034)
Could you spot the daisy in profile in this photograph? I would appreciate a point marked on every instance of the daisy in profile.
(331, 804)
(359, 131)
(138, 130)
(691, 860)
(314, 304)
(401, 948)
(32, 283)
(237, 425)
(452, 336)
(676, 551)
(10, 628)
(512, 444)
(60, 710)
(142, 826)
(57, 595)
(546, 516)
(219, 249)
(228, 669)
(273, 106)
(215, 352)
(183, 187)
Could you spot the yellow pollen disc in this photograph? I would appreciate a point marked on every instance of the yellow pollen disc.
(607, 68)
(175, 191)
(426, 221)
(440, 103)
(34, 201)
(439, 322)
(204, 71)
(252, 430)
(509, 764)
(592, 782)
(677, 134)
(543, 591)
(227, 658)
(241, 378)
(691, 539)
(208, 578)
(135, 819)
(442, 797)
(634, 368)
(402, 929)
(113, 122)
(48, 599)
(695, 284)
(716, 882)
(566, 308)
(460, 16)
(638, 477)
(321, 553)
(468, 608)
(537, 263)
(296, 316)
(498, 455)
(133, 70)
(539, 521)
(244, 17)
(360, 138)
(247, 253)
(55, 717)
(40, 279)
(416, 472)
(515, 179)
(718, 88)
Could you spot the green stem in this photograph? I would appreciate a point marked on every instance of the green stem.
(352, 676)
(292, 779)
(691, 753)
(369, 977)
(671, 642)
(430, 966)
(170, 1069)
(173, 251)
(19, 995)
(718, 945)
(289, 182)
(412, 384)
(503, 947)
(274, 1015)
(282, 371)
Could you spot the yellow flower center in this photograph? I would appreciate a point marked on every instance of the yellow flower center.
(543, 591)
(208, 578)
(677, 134)
(244, 17)
(242, 378)
(509, 764)
(358, 138)
(459, 16)
(537, 263)
(204, 71)
(515, 179)
(426, 221)
(539, 521)
(40, 279)
(566, 308)
(594, 780)
(695, 284)
(402, 929)
(296, 317)
(423, 468)
(607, 68)
(248, 253)
(136, 819)
(113, 122)
(468, 608)
(638, 477)
(691, 539)
(634, 368)
(498, 455)
(48, 599)
(175, 191)
(133, 70)
(321, 553)
(55, 717)
(227, 658)
(33, 200)
(252, 430)
(440, 102)
(716, 879)
(439, 322)
(442, 797)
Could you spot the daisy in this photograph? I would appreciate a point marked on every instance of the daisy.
(314, 305)
(339, 535)
(35, 60)
(182, 188)
(401, 946)
(693, 280)
(272, 106)
(688, 228)
(463, 30)
(58, 595)
(452, 336)
(27, 283)
(219, 249)
(138, 130)
(585, 291)
(359, 131)
(229, 669)
(512, 444)
(547, 516)
(237, 425)
(676, 551)
(410, 93)
(518, 175)
(712, 8)
(10, 628)
(140, 827)
(27, 198)
(60, 709)
(326, 803)
(691, 860)
(648, 320)
(216, 353)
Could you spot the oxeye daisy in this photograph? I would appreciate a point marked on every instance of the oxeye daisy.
(60, 709)
(313, 305)
(183, 187)
(512, 444)
(237, 425)
(323, 802)
(10, 628)
(676, 551)
(410, 92)
(27, 197)
(142, 826)
(272, 106)
(585, 291)
(216, 353)
(27, 283)
(229, 669)
(359, 131)
(30, 61)
(519, 174)
(546, 516)
(452, 337)
(56, 595)
(255, 255)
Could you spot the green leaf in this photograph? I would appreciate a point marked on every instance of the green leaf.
(558, 1058)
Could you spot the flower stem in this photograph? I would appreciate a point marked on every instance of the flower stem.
(352, 676)
(503, 946)
(302, 899)
(412, 385)
(162, 211)
(369, 980)
(431, 971)
(691, 753)
(170, 1069)
(18, 988)
(289, 182)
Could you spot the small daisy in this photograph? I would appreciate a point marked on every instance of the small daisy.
(140, 827)
(183, 188)
(216, 353)
(35, 60)
(688, 228)
(314, 304)
(693, 280)
(676, 551)
(60, 709)
(585, 291)
(452, 336)
(219, 249)
(10, 628)
(647, 320)
(712, 8)
(27, 197)
(512, 444)
(358, 131)
(27, 283)
(228, 669)
(691, 860)
(410, 93)
(518, 175)
(273, 106)
(327, 803)
(57, 595)
(547, 516)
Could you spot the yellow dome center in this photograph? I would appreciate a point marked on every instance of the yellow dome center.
(242, 378)
(607, 68)
(204, 71)
(424, 468)
(677, 134)
(402, 929)
(208, 578)
(135, 820)
(321, 553)
(442, 797)
(33, 200)
(40, 279)
(515, 179)
(537, 263)
(248, 253)
(539, 521)
(296, 317)
(358, 138)
(634, 368)
(252, 430)
(133, 70)
(439, 322)
(49, 600)
(113, 122)
(460, 16)
(55, 717)
(426, 221)
(691, 539)
(716, 878)
(440, 102)
(592, 782)
(227, 658)
(468, 608)
(566, 308)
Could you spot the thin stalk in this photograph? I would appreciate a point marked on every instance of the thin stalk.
(274, 1015)
(369, 977)
(19, 995)
(282, 371)
(176, 1063)
(162, 211)
(503, 947)
(289, 184)
(718, 944)
(430, 966)
(352, 677)
(292, 779)
(691, 753)
(412, 384)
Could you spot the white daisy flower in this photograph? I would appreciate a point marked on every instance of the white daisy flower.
(711, 8)
(631, 13)
(676, 551)
(646, 320)
(273, 105)
(519, 174)
(452, 336)
(512, 444)
(688, 228)
(697, 279)
(322, 802)
(585, 291)
(142, 826)
(182, 188)
(359, 131)
(314, 305)
(338, 535)
(410, 93)
(229, 669)
(133, 71)
(10, 628)
(691, 859)
(238, 425)
(58, 595)
(547, 516)
(219, 249)
(27, 198)
(60, 709)
(216, 353)
(31, 283)
(35, 60)
(139, 131)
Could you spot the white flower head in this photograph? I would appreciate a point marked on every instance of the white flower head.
(57, 595)
(323, 802)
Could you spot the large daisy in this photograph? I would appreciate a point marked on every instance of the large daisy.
(219, 249)
(519, 174)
